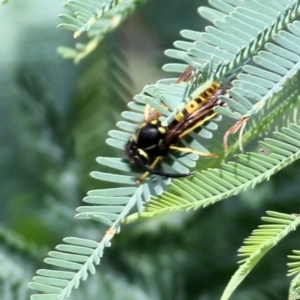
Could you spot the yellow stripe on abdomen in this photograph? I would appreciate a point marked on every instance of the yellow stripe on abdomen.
(197, 103)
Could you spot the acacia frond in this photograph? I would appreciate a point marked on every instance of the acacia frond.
(226, 51)
(294, 292)
(294, 270)
(234, 45)
(212, 185)
(78, 258)
(97, 18)
(251, 90)
(282, 107)
(259, 243)
(81, 255)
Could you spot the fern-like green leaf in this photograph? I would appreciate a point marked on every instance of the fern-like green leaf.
(294, 270)
(236, 44)
(251, 45)
(241, 100)
(208, 187)
(97, 17)
(259, 243)
(78, 258)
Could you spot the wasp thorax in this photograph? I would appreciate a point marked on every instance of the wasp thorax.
(151, 135)
(147, 144)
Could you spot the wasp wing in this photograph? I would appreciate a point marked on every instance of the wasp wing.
(154, 114)
(186, 75)
(196, 118)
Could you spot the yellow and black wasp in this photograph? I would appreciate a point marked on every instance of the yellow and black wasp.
(153, 141)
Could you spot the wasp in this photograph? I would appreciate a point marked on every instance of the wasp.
(153, 141)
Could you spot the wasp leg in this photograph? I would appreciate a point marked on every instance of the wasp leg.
(198, 124)
(189, 150)
(151, 114)
(152, 166)
(147, 111)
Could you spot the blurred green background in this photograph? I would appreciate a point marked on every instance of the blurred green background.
(54, 118)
